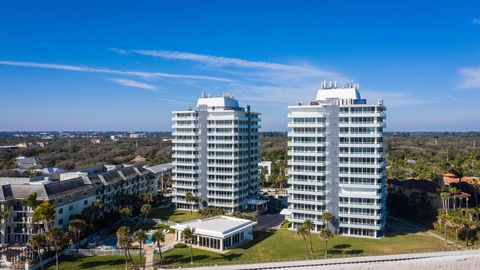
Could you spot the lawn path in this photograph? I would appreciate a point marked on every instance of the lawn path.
(149, 259)
(427, 232)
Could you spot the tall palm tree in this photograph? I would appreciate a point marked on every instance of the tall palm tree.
(454, 191)
(124, 241)
(309, 226)
(77, 226)
(188, 235)
(56, 239)
(141, 237)
(457, 169)
(126, 212)
(445, 195)
(158, 237)
(302, 232)
(38, 242)
(326, 235)
(147, 198)
(32, 202)
(45, 212)
(327, 218)
(189, 200)
(197, 200)
(4, 215)
(145, 210)
(475, 185)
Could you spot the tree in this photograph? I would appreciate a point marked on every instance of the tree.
(454, 191)
(31, 202)
(309, 226)
(326, 235)
(55, 238)
(302, 231)
(4, 215)
(445, 195)
(147, 198)
(475, 185)
(457, 169)
(38, 242)
(189, 200)
(188, 235)
(158, 237)
(197, 200)
(97, 205)
(45, 212)
(141, 237)
(327, 218)
(124, 241)
(145, 210)
(77, 226)
(126, 212)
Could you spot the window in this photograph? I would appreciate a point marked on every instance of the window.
(60, 221)
(60, 211)
(85, 202)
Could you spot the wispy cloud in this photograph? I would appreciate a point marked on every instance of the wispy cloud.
(396, 99)
(135, 84)
(476, 21)
(220, 61)
(173, 101)
(142, 74)
(470, 77)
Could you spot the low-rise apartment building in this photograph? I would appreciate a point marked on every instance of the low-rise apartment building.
(70, 194)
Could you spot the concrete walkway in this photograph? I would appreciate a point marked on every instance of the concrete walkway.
(149, 258)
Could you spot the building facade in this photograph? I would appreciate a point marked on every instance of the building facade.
(337, 162)
(215, 153)
(70, 194)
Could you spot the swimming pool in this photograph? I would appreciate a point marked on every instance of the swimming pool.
(149, 239)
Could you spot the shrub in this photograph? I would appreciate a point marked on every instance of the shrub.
(180, 245)
(286, 224)
(211, 212)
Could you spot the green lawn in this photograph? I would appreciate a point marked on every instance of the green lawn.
(92, 262)
(173, 214)
(284, 245)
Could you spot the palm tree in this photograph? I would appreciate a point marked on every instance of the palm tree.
(147, 198)
(158, 237)
(45, 212)
(327, 218)
(326, 235)
(124, 241)
(145, 210)
(454, 191)
(31, 202)
(4, 215)
(38, 242)
(458, 170)
(309, 226)
(126, 212)
(189, 200)
(197, 200)
(77, 226)
(443, 222)
(302, 231)
(475, 185)
(445, 195)
(141, 237)
(188, 234)
(55, 238)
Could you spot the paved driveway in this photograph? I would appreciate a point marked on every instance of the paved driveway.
(272, 217)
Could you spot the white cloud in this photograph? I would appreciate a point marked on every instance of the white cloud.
(136, 84)
(476, 21)
(142, 74)
(470, 77)
(395, 99)
(174, 101)
(220, 61)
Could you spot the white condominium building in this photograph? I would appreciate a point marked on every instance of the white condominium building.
(216, 154)
(337, 162)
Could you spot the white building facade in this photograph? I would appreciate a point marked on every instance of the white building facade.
(216, 154)
(337, 162)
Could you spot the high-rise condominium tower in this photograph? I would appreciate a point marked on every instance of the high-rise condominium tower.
(216, 155)
(337, 162)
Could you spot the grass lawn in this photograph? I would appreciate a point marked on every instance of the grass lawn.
(284, 245)
(173, 214)
(92, 262)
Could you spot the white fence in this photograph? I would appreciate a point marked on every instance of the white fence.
(101, 252)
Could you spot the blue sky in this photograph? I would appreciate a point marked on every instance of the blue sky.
(125, 65)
